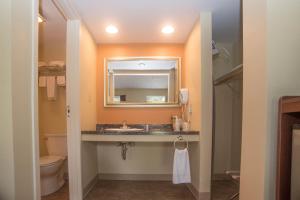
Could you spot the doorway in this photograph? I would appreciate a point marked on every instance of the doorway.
(228, 87)
(52, 102)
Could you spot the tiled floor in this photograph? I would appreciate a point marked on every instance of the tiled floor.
(222, 190)
(139, 190)
(61, 194)
(146, 190)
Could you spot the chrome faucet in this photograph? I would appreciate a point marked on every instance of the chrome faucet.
(124, 124)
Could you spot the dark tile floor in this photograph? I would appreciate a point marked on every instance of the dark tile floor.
(61, 194)
(137, 190)
(146, 190)
(223, 190)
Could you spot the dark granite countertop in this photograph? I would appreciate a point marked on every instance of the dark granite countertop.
(161, 129)
(143, 133)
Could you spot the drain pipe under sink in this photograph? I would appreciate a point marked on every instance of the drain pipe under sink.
(124, 148)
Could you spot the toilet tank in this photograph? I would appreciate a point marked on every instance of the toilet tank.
(57, 144)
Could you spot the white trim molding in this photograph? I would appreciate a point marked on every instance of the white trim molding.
(136, 177)
(67, 9)
(73, 102)
(35, 103)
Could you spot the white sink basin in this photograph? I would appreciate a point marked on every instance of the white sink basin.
(124, 129)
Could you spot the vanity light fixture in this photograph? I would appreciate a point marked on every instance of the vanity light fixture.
(167, 29)
(111, 29)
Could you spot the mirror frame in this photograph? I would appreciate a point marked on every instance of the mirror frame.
(136, 105)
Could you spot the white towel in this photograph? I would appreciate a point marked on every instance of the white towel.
(181, 167)
(42, 81)
(57, 63)
(51, 88)
(42, 64)
(61, 80)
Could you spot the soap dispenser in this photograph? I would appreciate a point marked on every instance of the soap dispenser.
(176, 122)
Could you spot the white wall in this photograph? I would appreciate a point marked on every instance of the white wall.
(253, 162)
(17, 134)
(88, 65)
(206, 103)
(198, 79)
(142, 159)
(192, 81)
(271, 46)
(236, 136)
(222, 64)
(7, 183)
(283, 71)
(223, 130)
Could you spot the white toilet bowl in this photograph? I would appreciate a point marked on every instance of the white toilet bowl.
(52, 171)
(53, 167)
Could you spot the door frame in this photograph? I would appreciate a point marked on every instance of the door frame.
(72, 99)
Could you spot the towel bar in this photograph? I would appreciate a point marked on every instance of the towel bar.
(181, 139)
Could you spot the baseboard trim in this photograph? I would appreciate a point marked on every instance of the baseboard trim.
(136, 177)
(204, 196)
(193, 190)
(198, 195)
(90, 186)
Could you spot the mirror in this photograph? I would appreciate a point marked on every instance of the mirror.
(142, 81)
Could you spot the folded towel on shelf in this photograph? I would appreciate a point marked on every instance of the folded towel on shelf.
(42, 64)
(42, 81)
(57, 63)
(181, 167)
(61, 80)
(51, 88)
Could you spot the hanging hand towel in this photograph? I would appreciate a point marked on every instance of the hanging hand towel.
(181, 167)
(51, 88)
(61, 80)
(42, 81)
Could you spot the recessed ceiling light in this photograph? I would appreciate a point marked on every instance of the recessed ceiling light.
(112, 29)
(167, 29)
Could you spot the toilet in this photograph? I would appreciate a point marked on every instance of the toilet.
(53, 167)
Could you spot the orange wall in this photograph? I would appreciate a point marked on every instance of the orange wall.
(133, 115)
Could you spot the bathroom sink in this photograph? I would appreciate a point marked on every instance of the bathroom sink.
(123, 129)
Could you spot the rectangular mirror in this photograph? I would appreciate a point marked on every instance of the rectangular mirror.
(142, 81)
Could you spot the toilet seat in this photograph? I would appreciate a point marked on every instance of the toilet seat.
(50, 160)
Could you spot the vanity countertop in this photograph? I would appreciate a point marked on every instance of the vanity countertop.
(155, 133)
(141, 133)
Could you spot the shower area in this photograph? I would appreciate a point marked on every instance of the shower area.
(227, 124)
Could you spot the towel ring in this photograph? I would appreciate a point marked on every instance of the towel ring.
(181, 139)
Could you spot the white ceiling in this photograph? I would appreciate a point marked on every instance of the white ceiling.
(140, 21)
